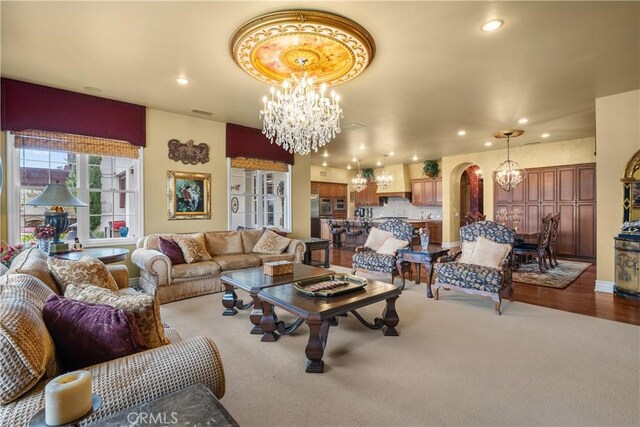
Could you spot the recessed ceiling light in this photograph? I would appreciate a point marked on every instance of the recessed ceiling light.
(488, 144)
(182, 81)
(545, 135)
(378, 163)
(492, 25)
(325, 154)
(415, 157)
(462, 132)
(354, 160)
(362, 147)
(324, 164)
(349, 167)
(523, 120)
(391, 153)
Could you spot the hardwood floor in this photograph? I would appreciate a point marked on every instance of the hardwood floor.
(578, 298)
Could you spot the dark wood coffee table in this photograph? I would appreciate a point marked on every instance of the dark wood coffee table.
(320, 313)
(253, 280)
(426, 257)
(316, 244)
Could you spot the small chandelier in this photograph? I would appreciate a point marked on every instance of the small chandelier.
(384, 180)
(359, 183)
(509, 174)
(299, 118)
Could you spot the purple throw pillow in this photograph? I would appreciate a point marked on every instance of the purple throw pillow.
(172, 250)
(85, 334)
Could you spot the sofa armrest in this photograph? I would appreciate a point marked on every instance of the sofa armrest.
(155, 263)
(132, 380)
(361, 249)
(451, 256)
(297, 247)
(120, 273)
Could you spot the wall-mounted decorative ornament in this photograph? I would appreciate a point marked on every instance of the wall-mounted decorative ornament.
(188, 152)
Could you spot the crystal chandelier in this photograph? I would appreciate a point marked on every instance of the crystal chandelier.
(299, 118)
(509, 174)
(359, 183)
(384, 180)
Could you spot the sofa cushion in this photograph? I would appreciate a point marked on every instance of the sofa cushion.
(489, 253)
(34, 262)
(198, 269)
(371, 260)
(467, 251)
(470, 276)
(85, 270)
(249, 239)
(376, 238)
(29, 282)
(279, 257)
(171, 250)
(391, 246)
(27, 352)
(237, 261)
(193, 248)
(87, 334)
(153, 240)
(271, 243)
(223, 242)
(144, 307)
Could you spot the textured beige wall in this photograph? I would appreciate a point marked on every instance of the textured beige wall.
(301, 196)
(618, 139)
(3, 196)
(401, 178)
(529, 156)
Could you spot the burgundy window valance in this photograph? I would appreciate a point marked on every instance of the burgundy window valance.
(28, 106)
(248, 142)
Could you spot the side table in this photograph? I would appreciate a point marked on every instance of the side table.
(424, 257)
(106, 255)
(316, 244)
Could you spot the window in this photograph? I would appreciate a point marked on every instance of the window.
(259, 198)
(110, 185)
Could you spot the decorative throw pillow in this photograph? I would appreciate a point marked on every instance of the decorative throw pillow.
(391, 245)
(489, 253)
(172, 250)
(467, 251)
(376, 238)
(34, 262)
(144, 307)
(276, 230)
(85, 270)
(30, 283)
(193, 248)
(271, 243)
(27, 352)
(87, 334)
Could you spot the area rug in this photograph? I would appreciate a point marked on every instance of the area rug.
(558, 277)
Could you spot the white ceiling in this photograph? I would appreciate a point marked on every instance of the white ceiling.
(434, 72)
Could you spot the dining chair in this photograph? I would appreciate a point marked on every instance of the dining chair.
(553, 240)
(539, 249)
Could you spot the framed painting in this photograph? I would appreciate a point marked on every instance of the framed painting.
(635, 194)
(188, 195)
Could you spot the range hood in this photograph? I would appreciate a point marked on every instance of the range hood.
(401, 186)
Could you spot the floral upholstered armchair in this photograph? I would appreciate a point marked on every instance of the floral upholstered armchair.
(368, 259)
(469, 271)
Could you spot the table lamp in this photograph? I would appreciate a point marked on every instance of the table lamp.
(57, 195)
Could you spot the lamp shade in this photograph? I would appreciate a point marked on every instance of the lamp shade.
(56, 195)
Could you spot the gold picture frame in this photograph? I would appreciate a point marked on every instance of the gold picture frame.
(188, 195)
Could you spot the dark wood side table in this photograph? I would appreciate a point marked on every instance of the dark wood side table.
(426, 257)
(106, 255)
(316, 244)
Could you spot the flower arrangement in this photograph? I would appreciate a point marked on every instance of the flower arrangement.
(45, 232)
(9, 252)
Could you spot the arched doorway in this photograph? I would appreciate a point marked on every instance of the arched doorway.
(471, 192)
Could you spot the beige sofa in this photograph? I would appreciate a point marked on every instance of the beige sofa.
(122, 383)
(230, 250)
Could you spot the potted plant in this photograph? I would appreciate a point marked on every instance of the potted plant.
(368, 174)
(430, 168)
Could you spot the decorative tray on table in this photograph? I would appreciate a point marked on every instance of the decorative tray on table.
(330, 286)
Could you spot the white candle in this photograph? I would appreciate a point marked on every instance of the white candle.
(67, 398)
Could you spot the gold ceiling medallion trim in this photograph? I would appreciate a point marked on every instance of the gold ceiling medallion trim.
(332, 48)
(508, 133)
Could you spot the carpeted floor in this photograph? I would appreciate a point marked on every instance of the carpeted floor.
(454, 363)
(558, 277)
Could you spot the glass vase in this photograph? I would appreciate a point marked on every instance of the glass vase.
(44, 245)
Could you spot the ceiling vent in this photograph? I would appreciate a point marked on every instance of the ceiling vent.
(353, 126)
(202, 112)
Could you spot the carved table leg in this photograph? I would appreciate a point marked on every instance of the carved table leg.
(399, 267)
(429, 268)
(268, 323)
(318, 333)
(229, 300)
(390, 318)
(418, 268)
(326, 256)
(256, 316)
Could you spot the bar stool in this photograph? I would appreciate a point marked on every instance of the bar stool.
(335, 231)
(352, 232)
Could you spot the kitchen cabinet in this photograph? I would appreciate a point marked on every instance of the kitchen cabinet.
(368, 196)
(426, 192)
(568, 190)
(328, 190)
(435, 232)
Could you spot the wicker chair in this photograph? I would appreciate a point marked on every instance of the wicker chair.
(477, 279)
(367, 259)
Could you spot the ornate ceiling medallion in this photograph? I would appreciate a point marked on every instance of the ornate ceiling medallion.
(330, 48)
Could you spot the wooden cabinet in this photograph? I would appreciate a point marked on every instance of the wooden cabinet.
(627, 269)
(568, 190)
(328, 190)
(368, 196)
(435, 232)
(426, 192)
